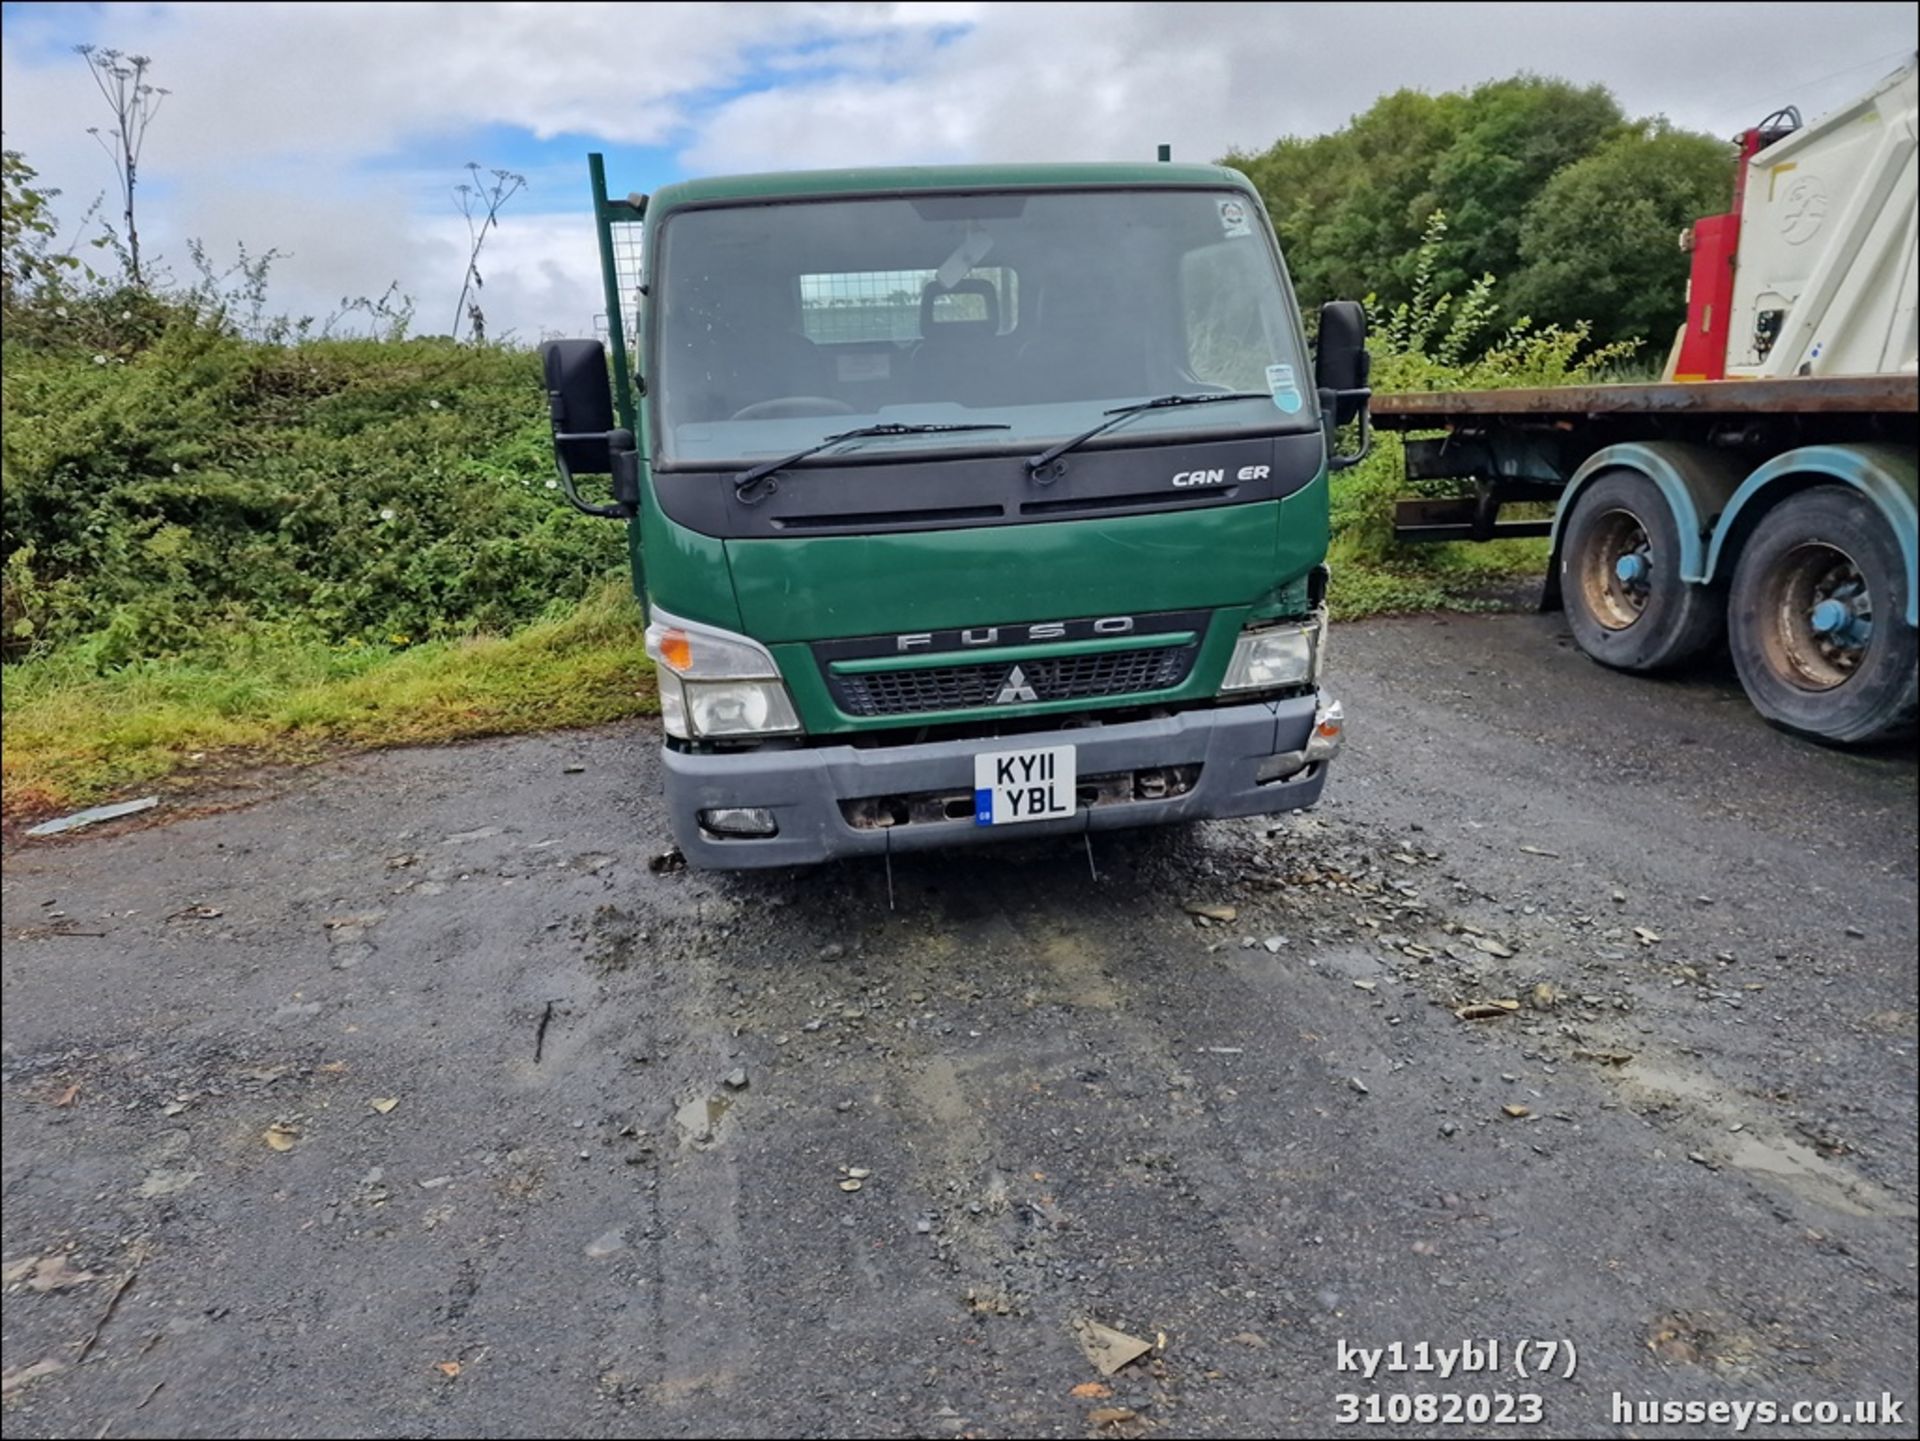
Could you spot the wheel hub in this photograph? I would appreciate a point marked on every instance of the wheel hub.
(1835, 618)
(1822, 616)
(1616, 569)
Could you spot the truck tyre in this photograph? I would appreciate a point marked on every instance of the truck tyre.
(1817, 619)
(1626, 602)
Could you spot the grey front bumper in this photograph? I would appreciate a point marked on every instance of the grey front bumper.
(804, 787)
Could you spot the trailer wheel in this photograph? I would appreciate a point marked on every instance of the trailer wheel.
(1817, 619)
(1626, 601)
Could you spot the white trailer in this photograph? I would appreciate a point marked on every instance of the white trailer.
(1827, 265)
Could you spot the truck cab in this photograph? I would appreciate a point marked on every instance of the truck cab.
(966, 502)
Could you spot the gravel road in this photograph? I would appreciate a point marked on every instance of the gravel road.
(407, 1099)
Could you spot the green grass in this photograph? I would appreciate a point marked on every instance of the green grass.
(74, 734)
(1456, 577)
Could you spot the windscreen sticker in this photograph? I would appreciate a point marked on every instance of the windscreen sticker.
(1233, 219)
(970, 252)
(1286, 394)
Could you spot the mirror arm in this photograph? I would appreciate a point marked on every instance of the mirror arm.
(626, 471)
(1330, 401)
(626, 474)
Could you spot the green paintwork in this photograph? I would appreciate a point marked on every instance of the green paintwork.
(811, 184)
(1241, 563)
(686, 572)
(1286, 599)
(825, 586)
(603, 213)
(1013, 654)
(1254, 562)
(820, 716)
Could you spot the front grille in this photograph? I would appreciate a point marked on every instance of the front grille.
(972, 687)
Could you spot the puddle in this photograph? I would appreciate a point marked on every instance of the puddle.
(1789, 1164)
(1805, 1171)
(1675, 1085)
(699, 1119)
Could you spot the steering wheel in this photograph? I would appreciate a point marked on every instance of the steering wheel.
(793, 407)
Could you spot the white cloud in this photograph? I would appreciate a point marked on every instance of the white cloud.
(287, 120)
(541, 272)
(260, 81)
(1097, 82)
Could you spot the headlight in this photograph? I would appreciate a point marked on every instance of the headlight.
(716, 683)
(1275, 656)
(739, 708)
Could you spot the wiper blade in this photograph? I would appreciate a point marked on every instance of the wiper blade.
(1120, 415)
(745, 479)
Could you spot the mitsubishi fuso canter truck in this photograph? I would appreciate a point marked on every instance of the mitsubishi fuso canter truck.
(966, 502)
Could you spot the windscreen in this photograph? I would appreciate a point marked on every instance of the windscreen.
(775, 326)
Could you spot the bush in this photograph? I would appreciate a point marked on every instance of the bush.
(1442, 342)
(223, 533)
(171, 479)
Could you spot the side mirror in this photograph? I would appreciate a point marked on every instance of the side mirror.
(1342, 370)
(585, 440)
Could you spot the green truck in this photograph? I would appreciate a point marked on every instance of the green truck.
(966, 502)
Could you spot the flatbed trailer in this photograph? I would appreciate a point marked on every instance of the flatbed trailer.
(1780, 396)
(1765, 489)
(1526, 445)
(1661, 493)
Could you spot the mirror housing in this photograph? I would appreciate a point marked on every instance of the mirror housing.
(1342, 370)
(585, 439)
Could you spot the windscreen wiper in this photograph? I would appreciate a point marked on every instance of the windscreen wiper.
(746, 479)
(1038, 463)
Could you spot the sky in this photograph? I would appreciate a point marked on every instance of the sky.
(335, 133)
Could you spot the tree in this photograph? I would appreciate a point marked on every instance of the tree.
(481, 204)
(123, 85)
(1396, 146)
(1600, 242)
(1515, 135)
(1351, 207)
(27, 258)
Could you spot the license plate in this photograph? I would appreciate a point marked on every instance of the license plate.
(1028, 785)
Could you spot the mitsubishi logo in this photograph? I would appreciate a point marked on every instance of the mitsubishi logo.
(1016, 689)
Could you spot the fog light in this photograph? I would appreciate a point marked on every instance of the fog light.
(739, 821)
